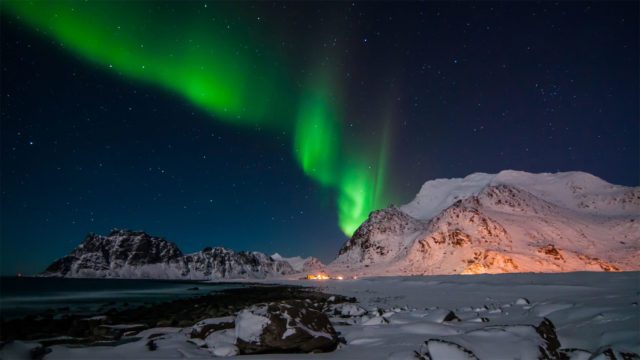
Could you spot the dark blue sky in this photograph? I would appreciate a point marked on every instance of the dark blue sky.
(471, 87)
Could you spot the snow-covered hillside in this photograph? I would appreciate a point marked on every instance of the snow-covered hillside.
(136, 254)
(302, 265)
(507, 222)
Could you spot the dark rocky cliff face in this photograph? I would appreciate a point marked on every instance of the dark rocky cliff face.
(220, 262)
(119, 248)
(132, 254)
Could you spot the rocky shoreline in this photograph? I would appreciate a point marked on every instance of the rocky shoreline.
(115, 326)
(532, 316)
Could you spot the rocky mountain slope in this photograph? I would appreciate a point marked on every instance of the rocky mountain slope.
(136, 254)
(302, 265)
(496, 223)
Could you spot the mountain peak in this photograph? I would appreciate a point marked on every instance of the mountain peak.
(136, 254)
(501, 222)
(299, 264)
(574, 189)
(374, 239)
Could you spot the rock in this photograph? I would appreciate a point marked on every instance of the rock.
(551, 250)
(441, 315)
(547, 332)
(155, 335)
(348, 310)
(222, 342)
(479, 319)
(436, 349)
(225, 350)
(604, 354)
(185, 323)
(607, 353)
(115, 332)
(451, 316)
(522, 301)
(205, 327)
(288, 326)
(83, 328)
(376, 320)
(38, 353)
(629, 356)
(576, 354)
(374, 311)
(388, 314)
(151, 345)
(80, 327)
(163, 323)
(516, 341)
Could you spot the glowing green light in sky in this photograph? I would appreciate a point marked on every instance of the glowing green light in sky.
(206, 62)
(316, 141)
(361, 189)
(355, 198)
(219, 70)
(358, 181)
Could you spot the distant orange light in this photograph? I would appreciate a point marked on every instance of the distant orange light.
(319, 276)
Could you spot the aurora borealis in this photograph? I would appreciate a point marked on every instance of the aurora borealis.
(214, 71)
(202, 63)
(186, 118)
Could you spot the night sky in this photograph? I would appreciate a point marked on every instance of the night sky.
(279, 126)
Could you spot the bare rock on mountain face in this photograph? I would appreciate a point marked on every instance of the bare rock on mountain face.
(136, 254)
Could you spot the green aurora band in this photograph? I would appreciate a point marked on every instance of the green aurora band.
(218, 69)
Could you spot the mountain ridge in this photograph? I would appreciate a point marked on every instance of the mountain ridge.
(136, 254)
(512, 221)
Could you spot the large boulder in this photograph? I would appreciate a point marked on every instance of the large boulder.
(436, 349)
(518, 341)
(288, 326)
(204, 328)
(439, 316)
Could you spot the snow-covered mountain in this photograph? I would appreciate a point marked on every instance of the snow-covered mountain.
(507, 222)
(136, 254)
(484, 223)
(302, 265)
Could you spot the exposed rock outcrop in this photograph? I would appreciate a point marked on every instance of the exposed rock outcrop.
(136, 254)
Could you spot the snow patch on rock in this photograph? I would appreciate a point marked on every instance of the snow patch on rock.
(250, 323)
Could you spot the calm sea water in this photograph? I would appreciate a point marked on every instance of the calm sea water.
(20, 296)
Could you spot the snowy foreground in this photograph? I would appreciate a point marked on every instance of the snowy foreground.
(395, 316)
(590, 311)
